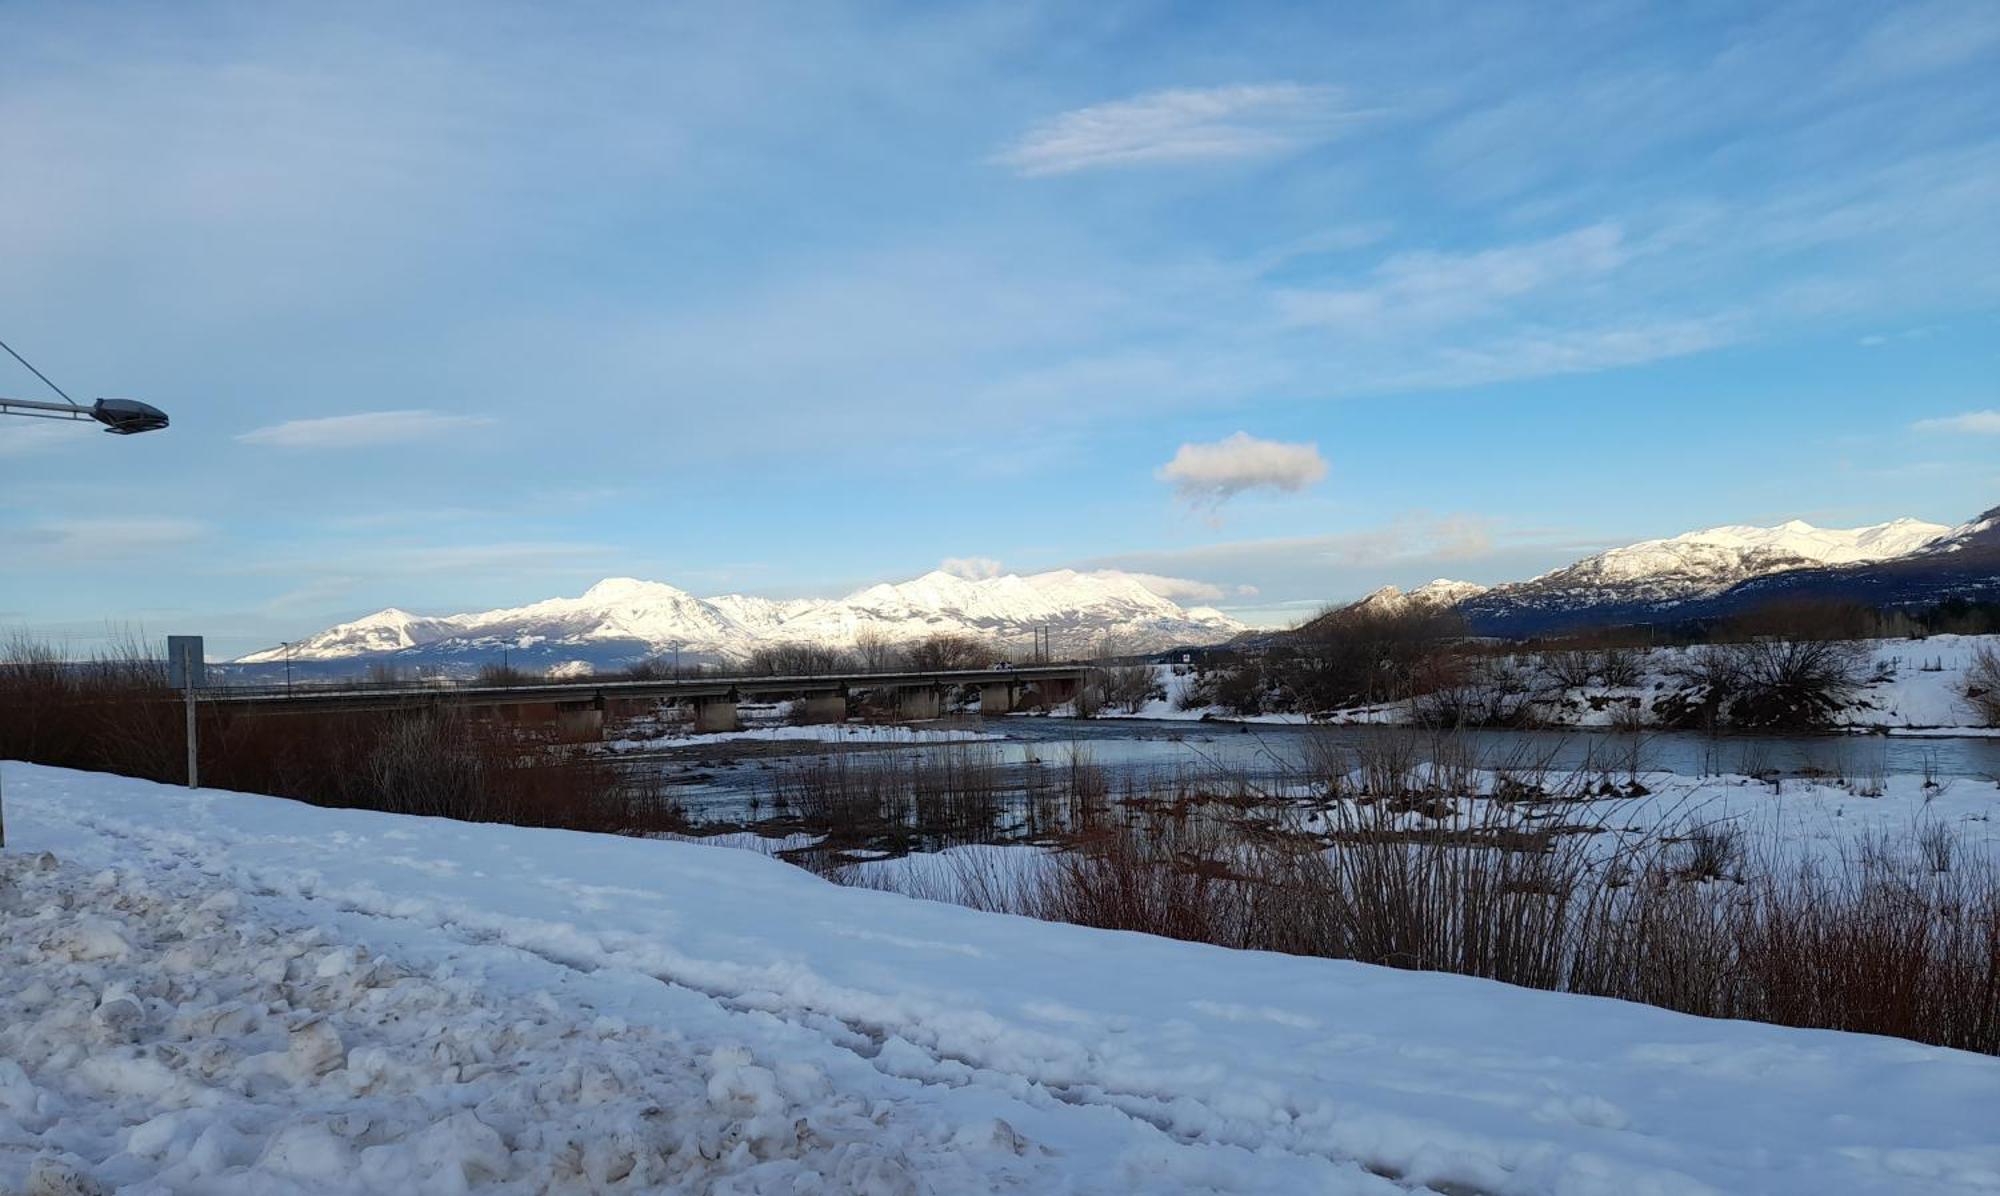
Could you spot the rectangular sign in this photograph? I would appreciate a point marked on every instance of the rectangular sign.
(182, 651)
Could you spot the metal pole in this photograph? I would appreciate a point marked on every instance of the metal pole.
(188, 667)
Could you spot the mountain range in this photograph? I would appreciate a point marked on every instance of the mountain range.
(1697, 575)
(1725, 570)
(622, 620)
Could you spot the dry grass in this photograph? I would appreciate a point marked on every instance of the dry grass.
(116, 714)
(1396, 868)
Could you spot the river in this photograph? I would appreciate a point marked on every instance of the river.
(725, 781)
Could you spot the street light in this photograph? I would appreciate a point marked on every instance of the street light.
(121, 417)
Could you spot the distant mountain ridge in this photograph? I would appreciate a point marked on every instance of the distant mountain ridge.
(1722, 570)
(623, 619)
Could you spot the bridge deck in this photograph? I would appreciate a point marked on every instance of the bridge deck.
(303, 698)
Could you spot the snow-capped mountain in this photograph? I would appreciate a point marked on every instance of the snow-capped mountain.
(623, 619)
(1982, 534)
(1440, 594)
(1653, 577)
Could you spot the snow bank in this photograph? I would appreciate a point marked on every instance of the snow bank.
(245, 994)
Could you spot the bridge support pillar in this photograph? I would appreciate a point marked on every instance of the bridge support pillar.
(1057, 690)
(715, 714)
(825, 708)
(918, 702)
(996, 698)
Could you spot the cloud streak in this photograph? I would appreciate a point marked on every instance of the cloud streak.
(1180, 125)
(1212, 474)
(1978, 423)
(1426, 289)
(364, 429)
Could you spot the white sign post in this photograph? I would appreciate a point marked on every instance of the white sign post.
(187, 668)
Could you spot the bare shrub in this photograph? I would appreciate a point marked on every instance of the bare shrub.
(1711, 851)
(1453, 689)
(1570, 668)
(1245, 688)
(1357, 657)
(1981, 687)
(1124, 687)
(1793, 684)
(1619, 667)
(1937, 846)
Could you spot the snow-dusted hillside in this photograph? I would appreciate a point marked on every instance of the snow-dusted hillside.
(1440, 594)
(1654, 576)
(199, 996)
(627, 618)
(1710, 561)
(1981, 534)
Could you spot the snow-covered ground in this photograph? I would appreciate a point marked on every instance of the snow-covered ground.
(226, 993)
(1913, 684)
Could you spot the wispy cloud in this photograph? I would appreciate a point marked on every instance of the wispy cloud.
(78, 541)
(972, 568)
(1425, 289)
(361, 430)
(1181, 125)
(1211, 474)
(1979, 423)
(27, 437)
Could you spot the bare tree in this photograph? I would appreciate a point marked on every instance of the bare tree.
(946, 651)
(797, 658)
(501, 673)
(876, 652)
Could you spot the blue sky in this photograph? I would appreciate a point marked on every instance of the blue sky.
(789, 299)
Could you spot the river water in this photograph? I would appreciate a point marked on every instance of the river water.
(726, 781)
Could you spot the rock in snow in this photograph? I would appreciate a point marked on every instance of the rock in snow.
(338, 1001)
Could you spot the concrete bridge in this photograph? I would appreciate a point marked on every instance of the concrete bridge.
(580, 709)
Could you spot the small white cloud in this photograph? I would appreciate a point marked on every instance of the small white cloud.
(1180, 125)
(1979, 423)
(361, 430)
(971, 568)
(1211, 474)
